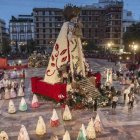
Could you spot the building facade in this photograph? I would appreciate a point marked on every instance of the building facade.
(128, 20)
(21, 30)
(3, 33)
(102, 23)
(48, 22)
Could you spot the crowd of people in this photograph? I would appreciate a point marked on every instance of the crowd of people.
(129, 88)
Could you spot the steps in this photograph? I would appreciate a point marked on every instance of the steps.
(88, 90)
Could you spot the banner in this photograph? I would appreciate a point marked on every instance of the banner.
(3, 62)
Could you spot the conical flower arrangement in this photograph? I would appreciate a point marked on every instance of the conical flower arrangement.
(41, 127)
(11, 107)
(97, 124)
(82, 133)
(3, 136)
(23, 105)
(7, 94)
(35, 103)
(66, 136)
(54, 119)
(67, 114)
(13, 93)
(21, 92)
(23, 134)
(91, 134)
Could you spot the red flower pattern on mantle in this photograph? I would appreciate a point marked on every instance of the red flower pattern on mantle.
(55, 59)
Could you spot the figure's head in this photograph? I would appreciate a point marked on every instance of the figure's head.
(71, 12)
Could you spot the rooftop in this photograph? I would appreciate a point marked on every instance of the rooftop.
(103, 4)
(22, 18)
(44, 9)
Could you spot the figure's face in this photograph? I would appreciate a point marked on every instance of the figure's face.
(74, 19)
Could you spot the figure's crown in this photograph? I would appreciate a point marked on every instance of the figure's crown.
(70, 11)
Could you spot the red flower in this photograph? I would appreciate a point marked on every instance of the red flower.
(56, 47)
(56, 55)
(64, 59)
(52, 58)
(52, 64)
(63, 52)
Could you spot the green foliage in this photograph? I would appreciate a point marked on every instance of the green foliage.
(5, 46)
(132, 35)
(31, 46)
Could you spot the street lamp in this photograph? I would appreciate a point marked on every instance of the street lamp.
(84, 43)
(109, 45)
(134, 48)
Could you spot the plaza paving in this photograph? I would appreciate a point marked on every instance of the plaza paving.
(123, 124)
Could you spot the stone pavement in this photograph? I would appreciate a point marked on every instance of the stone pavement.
(123, 124)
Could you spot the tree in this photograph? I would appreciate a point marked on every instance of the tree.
(31, 44)
(6, 48)
(131, 35)
(88, 46)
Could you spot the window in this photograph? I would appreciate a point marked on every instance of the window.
(29, 37)
(43, 24)
(22, 37)
(37, 24)
(50, 24)
(36, 18)
(29, 27)
(44, 41)
(14, 37)
(22, 27)
(50, 13)
(43, 13)
(44, 30)
(14, 29)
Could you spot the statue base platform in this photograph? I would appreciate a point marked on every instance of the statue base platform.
(56, 91)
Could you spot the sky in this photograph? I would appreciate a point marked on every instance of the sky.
(16, 7)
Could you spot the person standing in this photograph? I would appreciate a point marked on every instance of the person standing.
(95, 105)
(114, 102)
(131, 100)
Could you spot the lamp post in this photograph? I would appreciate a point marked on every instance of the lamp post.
(134, 48)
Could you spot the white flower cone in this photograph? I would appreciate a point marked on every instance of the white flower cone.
(35, 102)
(7, 94)
(66, 136)
(54, 138)
(97, 118)
(82, 133)
(21, 92)
(67, 114)
(23, 105)
(23, 134)
(97, 124)
(41, 127)
(84, 130)
(3, 136)
(54, 119)
(91, 134)
(13, 93)
(11, 107)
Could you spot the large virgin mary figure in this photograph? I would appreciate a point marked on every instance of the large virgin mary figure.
(67, 49)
